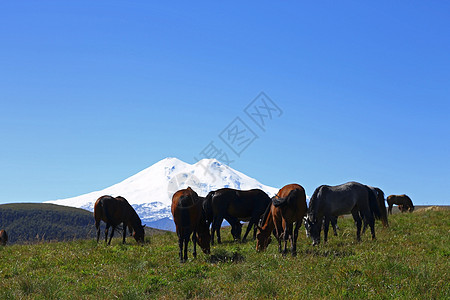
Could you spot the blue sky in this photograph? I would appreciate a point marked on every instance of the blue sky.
(93, 92)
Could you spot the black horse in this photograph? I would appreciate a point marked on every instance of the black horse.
(234, 206)
(351, 197)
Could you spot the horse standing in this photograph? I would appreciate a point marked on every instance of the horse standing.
(189, 218)
(288, 206)
(3, 237)
(114, 211)
(351, 197)
(235, 204)
(403, 200)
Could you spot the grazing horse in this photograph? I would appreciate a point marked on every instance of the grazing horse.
(288, 207)
(403, 200)
(3, 237)
(234, 204)
(351, 197)
(189, 218)
(114, 211)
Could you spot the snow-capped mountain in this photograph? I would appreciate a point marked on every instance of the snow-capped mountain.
(150, 191)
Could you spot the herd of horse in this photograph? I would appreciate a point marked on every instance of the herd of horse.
(280, 216)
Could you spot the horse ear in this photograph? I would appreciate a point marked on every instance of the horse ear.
(144, 225)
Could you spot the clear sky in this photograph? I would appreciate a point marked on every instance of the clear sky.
(91, 92)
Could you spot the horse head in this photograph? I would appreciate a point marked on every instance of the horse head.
(312, 227)
(262, 240)
(236, 231)
(139, 234)
(204, 238)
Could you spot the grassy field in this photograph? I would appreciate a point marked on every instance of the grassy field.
(409, 260)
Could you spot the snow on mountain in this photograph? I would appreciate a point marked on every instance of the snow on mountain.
(150, 191)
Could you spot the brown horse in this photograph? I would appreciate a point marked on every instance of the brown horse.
(231, 204)
(3, 237)
(189, 218)
(288, 207)
(114, 211)
(403, 200)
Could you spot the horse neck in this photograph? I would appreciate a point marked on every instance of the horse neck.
(268, 225)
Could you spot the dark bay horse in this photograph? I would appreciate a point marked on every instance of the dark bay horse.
(237, 205)
(114, 211)
(351, 197)
(236, 226)
(3, 237)
(288, 206)
(403, 200)
(189, 218)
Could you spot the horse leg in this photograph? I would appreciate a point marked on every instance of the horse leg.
(180, 245)
(186, 242)
(194, 241)
(124, 232)
(97, 225)
(286, 237)
(334, 225)
(358, 223)
(106, 232)
(249, 227)
(371, 221)
(254, 232)
(390, 208)
(294, 238)
(326, 226)
(111, 236)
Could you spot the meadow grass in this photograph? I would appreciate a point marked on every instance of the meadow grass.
(409, 260)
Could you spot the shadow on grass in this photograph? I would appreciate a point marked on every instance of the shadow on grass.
(222, 255)
(327, 253)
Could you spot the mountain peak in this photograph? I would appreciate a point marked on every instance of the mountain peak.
(150, 191)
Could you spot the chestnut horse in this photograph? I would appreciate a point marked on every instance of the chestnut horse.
(403, 200)
(231, 204)
(288, 207)
(114, 211)
(3, 237)
(189, 218)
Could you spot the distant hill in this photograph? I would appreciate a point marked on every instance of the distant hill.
(37, 222)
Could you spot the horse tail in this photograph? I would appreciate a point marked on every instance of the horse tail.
(278, 202)
(382, 206)
(185, 220)
(373, 204)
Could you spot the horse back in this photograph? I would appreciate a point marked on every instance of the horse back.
(292, 203)
(110, 210)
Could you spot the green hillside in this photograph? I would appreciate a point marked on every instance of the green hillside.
(36, 222)
(409, 260)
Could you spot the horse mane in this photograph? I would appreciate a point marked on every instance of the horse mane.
(313, 199)
(265, 215)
